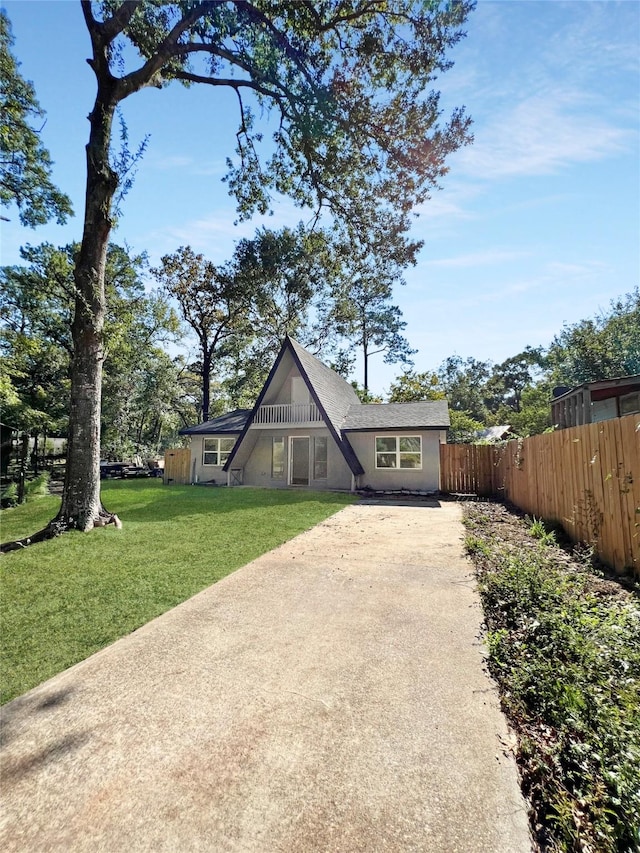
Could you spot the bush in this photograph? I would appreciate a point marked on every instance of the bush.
(38, 487)
(565, 651)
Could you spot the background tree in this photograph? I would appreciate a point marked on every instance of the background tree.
(25, 164)
(210, 303)
(508, 380)
(35, 341)
(412, 387)
(603, 347)
(358, 134)
(534, 416)
(282, 278)
(368, 318)
(463, 381)
(144, 405)
(464, 429)
(36, 307)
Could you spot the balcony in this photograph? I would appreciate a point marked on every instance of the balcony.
(286, 414)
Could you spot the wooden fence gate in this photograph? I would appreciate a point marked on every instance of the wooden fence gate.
(177, 466)
(468, 469)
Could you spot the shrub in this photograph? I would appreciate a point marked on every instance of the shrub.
(566, 655)
(37, 487)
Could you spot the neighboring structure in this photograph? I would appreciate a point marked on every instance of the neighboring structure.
(308, 428)
(596, 401)
(8, 434)
(494, 433)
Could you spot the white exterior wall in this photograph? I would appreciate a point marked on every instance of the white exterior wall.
(206, 473)
(257, 467)
(426, 479)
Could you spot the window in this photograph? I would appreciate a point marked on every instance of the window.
(277, 459)
(320, 458)
(399, 451)
(216, 450)
(630, 403)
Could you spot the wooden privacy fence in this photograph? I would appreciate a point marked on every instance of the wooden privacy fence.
(469, 469)
(585, 478)
(177, 466)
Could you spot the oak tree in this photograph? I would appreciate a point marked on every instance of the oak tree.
(359, 134)
(600, 347)
(210, 304)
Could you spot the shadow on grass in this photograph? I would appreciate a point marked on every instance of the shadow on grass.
(143, 502)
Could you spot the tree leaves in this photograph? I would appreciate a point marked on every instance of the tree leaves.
(359, 129)
(25, 164)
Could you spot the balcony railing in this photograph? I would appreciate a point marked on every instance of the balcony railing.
(287, 413)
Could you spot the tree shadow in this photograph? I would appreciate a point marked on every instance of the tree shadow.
(14, 769)
(17, 709)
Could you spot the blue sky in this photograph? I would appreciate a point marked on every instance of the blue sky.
(537, 224)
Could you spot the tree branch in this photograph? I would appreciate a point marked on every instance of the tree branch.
(281, 40)
(231, 82)
(114, 25)
(145, 75)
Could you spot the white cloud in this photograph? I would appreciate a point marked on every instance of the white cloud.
(475, 259)
(169, 161)
(561, 269)
(215, 235)
(174, 162)
(541, 136)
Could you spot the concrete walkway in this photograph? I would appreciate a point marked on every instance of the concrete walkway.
(329, 696)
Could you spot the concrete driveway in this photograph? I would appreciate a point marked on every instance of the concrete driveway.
(329, 696)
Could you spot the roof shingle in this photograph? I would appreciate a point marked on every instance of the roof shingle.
(429, 414)
(231, 422)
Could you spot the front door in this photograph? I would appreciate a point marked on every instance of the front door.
(299, 460)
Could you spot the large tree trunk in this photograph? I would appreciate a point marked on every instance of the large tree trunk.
(81, 506)
(365, 359)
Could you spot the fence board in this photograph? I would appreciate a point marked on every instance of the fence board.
(586, 478)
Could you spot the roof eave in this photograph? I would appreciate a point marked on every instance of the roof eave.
(387, 428)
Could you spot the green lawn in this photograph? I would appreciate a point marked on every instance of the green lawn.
(66, 598)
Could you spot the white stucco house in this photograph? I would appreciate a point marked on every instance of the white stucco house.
(309, 429)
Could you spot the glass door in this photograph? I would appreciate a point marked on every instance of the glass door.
(299, 460)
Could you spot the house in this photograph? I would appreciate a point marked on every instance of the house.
(595, 401)
(308, 428)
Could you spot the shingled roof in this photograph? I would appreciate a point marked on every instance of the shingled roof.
(429, 414)
(233, 423)
(335, 395)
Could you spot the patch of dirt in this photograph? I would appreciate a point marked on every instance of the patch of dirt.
(510, 526)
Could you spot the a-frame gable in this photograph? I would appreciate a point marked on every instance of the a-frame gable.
(324, 387)
(327, 390)
(257, 404)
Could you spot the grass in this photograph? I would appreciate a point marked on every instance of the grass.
(564, 647)
(66, 598)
